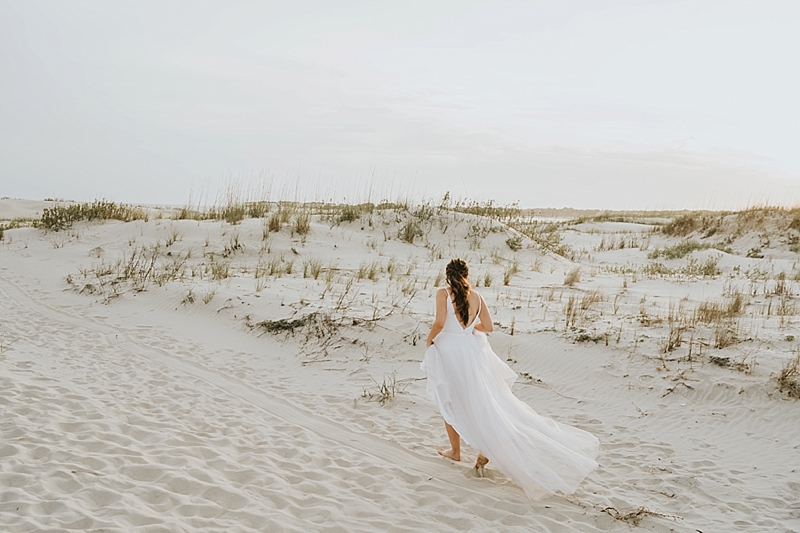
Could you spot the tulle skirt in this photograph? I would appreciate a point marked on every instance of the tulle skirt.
(472, 387)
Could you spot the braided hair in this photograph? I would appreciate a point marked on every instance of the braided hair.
(456, 273)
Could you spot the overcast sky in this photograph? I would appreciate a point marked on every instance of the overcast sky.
(593, 104)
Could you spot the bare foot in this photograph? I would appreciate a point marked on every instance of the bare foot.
(450, 454)
(480, 463)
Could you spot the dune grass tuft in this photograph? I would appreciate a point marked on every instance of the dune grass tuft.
(60, 217)
(410, 231)
(684, 248)
(312, 268)
(302, 223)
(788, 378)
(385, 391)
(573, 277)
(681, 226)
(509, 271)
(317, 325)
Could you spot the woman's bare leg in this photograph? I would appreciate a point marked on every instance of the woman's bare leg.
(454, 452)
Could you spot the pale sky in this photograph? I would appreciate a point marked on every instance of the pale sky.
(588, 104)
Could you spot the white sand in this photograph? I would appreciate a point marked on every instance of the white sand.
(148, 412)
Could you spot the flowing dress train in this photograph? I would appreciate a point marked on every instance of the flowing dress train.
(472, 387)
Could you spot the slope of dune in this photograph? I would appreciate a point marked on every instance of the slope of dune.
(182, 375)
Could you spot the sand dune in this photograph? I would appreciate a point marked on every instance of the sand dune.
(126, 410)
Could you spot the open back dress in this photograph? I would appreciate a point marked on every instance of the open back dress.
(472, 387)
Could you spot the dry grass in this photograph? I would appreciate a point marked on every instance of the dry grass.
(173, 237)
(515, 243)
(511, 269)
(138, 269)
(61, 217)
(681, 226)
(571, 312)
(545, 234)
(218, 270)
(369, 270)
(410, 231)
(208, 296)
(234, 245)
(349, 213)
(274, 223)
(312, 268)
(276, 266)
(302, 223)
(716, 311)
(591, 298)
(385, 391)
(765, 222)
(786, 307)
(788, 379)
(678, 320)
(317, 325)
(573, 277)
(189, 298)
(623, 241)
(726, 333)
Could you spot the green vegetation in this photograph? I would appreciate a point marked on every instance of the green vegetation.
(350, 213)
(693, 268)
(632, 217)
(684, 248)
(61, 217)
(515, 243)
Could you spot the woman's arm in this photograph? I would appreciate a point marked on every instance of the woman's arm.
(485, 325)
(438, 321)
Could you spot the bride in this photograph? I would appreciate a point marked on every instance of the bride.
(472, 387)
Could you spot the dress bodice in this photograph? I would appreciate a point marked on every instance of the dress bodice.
(451, 323)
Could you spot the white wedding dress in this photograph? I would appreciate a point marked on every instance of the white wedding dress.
(472, 387)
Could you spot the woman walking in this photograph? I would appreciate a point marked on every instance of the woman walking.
(472, 387)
